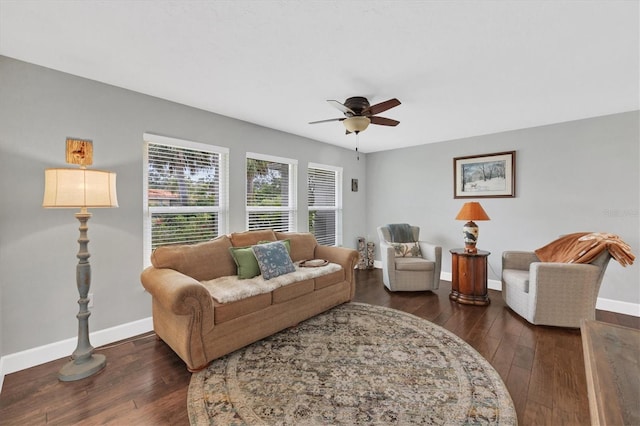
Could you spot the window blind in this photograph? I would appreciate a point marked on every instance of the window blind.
(185, 192)
(324, 203)
(271, 201)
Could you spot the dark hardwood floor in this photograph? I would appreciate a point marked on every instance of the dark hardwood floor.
(145, 383)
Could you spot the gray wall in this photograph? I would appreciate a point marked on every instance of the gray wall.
(571, 177)
(39, 108)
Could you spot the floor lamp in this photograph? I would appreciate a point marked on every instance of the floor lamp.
(81, 188)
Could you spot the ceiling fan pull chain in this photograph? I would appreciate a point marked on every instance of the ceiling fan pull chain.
(357, 146)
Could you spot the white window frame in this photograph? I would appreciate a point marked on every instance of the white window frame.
(337, 208)
(222, 209)
(292, 207)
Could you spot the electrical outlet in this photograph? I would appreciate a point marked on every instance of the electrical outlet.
(90, 297)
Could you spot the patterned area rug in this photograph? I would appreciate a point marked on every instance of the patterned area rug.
(354, 364)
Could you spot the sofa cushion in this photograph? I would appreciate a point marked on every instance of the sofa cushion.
(303, 244)
(227, 311)
(329, 279)
(413, 264)
(250, 238)
(230, 288)
(202, 261)
(273, 259)
(292, 291)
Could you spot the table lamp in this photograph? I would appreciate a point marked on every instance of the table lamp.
(471, 211)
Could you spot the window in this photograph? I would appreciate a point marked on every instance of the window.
(185, 186)
(271, 193)
(324, 197)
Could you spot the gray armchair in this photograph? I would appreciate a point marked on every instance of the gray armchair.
(549, 293)
(409, 273)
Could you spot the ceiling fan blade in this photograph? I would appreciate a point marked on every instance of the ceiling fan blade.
(381, 107)
(326, 121)
(383, 121)
(346, 110)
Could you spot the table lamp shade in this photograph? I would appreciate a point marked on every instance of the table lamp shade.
(79, 188)
(472, 211)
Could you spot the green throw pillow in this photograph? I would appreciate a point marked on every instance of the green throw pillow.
(245, 261)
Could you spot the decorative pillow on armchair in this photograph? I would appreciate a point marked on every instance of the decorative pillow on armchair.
(273, 259)
(407, 249)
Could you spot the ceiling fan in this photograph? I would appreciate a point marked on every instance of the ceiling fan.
(358, 113)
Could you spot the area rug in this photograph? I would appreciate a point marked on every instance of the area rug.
(354, 364)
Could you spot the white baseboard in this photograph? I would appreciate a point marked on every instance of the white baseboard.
(626, 308)
(42, 354)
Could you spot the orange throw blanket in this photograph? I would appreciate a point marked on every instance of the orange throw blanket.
(583, 247)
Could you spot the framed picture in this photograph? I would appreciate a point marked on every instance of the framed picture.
(354, 185)
(485, 176)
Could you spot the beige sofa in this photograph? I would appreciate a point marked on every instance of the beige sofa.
(200, 328)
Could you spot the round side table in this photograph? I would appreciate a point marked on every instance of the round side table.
(469, 277)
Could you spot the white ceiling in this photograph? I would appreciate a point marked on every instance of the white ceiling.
(460, 68)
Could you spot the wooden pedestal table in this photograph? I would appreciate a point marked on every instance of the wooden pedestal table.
(469, 277)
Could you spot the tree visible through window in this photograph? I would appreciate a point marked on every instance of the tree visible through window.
(325, 203)
(271, 200)
(185, 192)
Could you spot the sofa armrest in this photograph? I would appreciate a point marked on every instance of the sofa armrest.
(518, 260)
(567, 278)
(345, 257)
(387, 254)
(432, 252)
(388, 258)
(178, 293)
(562, 293)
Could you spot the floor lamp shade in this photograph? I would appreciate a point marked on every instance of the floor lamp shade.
(81, 188)
(69, 188)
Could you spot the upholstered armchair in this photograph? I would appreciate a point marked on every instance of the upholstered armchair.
(404, 268)
(550, 293)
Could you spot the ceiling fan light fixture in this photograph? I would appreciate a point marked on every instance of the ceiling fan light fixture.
(356, 124)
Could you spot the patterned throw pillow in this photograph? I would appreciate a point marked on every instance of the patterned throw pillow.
(287, 244)
(407, 249)
(273, 259)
